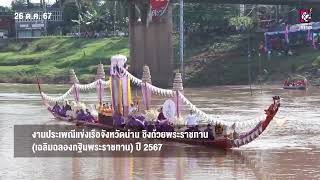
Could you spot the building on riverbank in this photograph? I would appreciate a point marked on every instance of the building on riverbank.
(38, 19)
(6, 23)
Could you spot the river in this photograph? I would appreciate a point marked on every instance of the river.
(287, 151)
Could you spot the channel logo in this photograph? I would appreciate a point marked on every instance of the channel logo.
(305, 15)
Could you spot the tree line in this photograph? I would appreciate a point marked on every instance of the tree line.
(110, 16)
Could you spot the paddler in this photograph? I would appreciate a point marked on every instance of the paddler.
(81, 115)
(209, 131)
(161, 115)
(56, 108)
(132, 109)
(218, 130)
(107, 111)
(101, 108)
(67, 107)
(89, 117)
(118, 120)
(191, 120)
(135, 123)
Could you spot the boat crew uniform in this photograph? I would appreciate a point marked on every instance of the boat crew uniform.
(192, 121)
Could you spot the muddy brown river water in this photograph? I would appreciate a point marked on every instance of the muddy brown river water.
(290, 151)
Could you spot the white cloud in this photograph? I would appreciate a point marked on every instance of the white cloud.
(5, 3)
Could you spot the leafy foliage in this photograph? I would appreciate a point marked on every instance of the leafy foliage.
(206, 17)
(242, 23)
(100, 15)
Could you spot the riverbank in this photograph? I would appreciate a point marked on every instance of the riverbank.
(51, 58)
(217, 60)
(224, 61)
(232, 69)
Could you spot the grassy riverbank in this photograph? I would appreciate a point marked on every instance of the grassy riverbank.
(214, 60)
(52, 57)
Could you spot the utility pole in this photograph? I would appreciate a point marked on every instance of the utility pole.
(249, 63)
(45, 20)
(16, 26)
(181, 39)
(79, 16)
(260, 72)
(115, 18)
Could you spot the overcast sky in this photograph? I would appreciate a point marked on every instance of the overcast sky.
(8, 2)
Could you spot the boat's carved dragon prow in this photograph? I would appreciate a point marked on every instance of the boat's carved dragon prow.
(247, 137)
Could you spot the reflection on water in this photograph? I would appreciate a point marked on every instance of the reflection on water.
(288, 152)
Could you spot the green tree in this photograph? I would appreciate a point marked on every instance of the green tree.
(70, 12)
(18, 4)
(99, 15)
(242, 23)
(206, 17)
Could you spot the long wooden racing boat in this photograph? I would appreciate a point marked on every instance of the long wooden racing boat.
(295, 87)
(296, 83)
(120, 86)
(221, 143)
